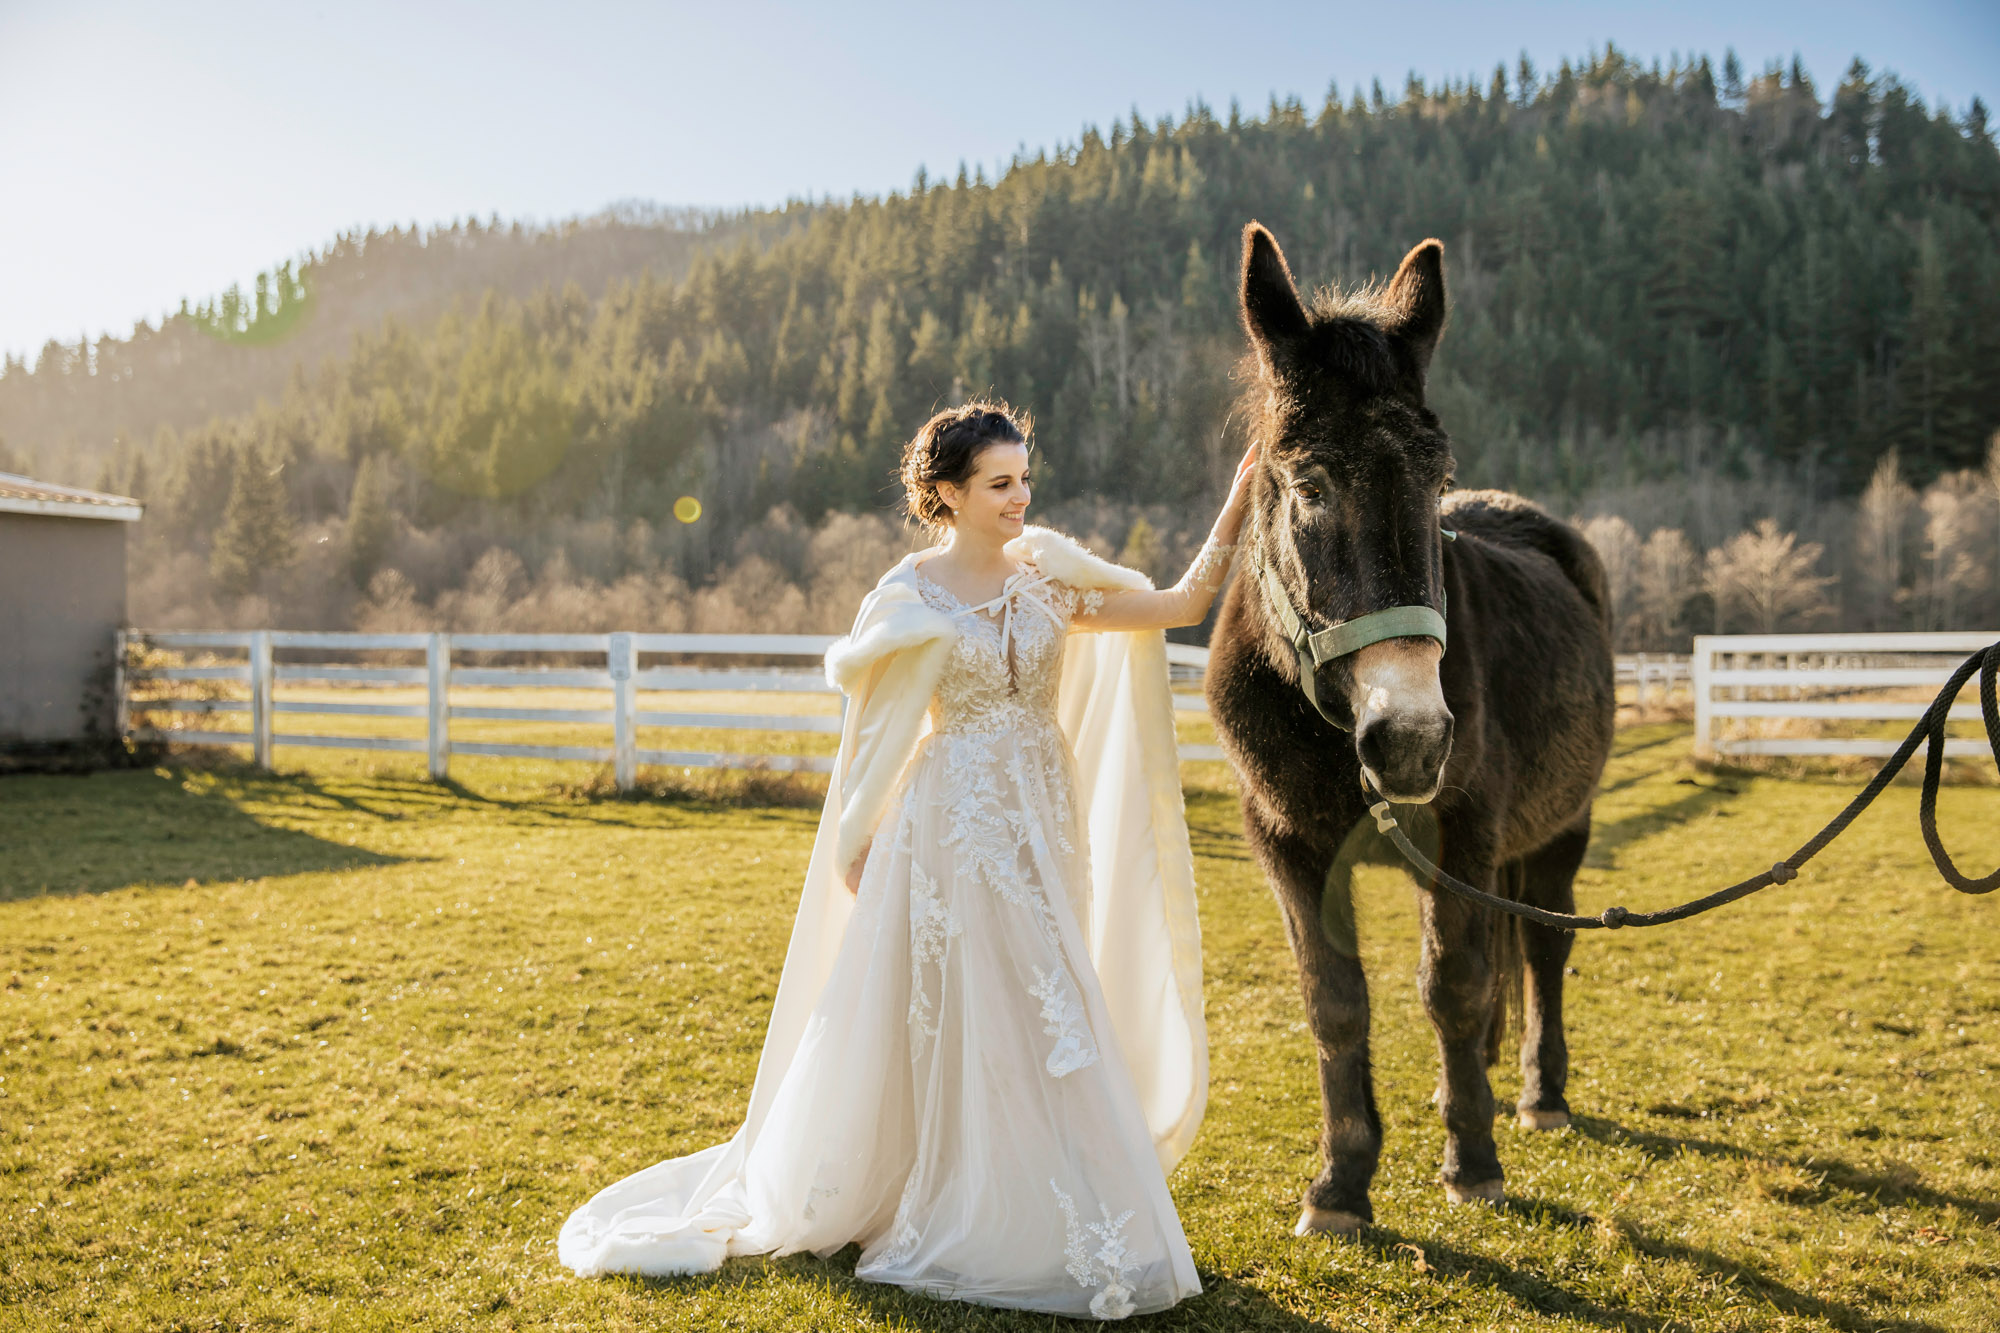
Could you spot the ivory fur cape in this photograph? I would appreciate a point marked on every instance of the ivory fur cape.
(1114, 705)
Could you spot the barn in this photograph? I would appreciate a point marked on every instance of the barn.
(62, 602)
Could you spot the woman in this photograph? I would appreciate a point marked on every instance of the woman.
(987, 1048)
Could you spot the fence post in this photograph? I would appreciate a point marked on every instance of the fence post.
(622, 661)
(1698, 669)
(260, 696)
(437, 732)
(1639, 679)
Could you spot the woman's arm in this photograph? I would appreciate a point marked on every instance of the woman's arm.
(1187, 602)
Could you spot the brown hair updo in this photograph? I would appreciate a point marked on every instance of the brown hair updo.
(948, 449)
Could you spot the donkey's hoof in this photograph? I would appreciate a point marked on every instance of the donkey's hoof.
(1486, 1191)
(1328, 1222)
(1533, 1119)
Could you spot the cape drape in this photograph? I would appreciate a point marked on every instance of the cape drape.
(1116, 709)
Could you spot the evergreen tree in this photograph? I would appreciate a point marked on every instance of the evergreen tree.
(254, 544)
(370, 524)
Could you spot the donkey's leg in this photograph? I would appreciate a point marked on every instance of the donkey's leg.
(1551, 884)
(1456, 979)
(1319, 920)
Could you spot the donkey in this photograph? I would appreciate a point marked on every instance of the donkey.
(1498, 716)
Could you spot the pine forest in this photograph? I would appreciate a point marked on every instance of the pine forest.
(1741, 328)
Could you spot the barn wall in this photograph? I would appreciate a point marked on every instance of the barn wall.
(62, 598)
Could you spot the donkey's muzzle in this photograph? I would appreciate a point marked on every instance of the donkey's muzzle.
(1405, 754)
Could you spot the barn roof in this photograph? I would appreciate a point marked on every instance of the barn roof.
(25, 495)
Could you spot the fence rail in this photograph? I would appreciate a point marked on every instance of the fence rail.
(620, 675)
(1815, 677)
(1655, 673)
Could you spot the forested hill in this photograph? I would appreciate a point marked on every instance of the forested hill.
(220, 357)
(1655, 273)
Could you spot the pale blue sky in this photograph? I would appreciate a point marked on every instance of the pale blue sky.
(154, 151)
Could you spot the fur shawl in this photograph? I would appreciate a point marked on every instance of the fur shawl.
(900, 619)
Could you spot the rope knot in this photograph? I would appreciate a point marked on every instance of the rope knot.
(1614, 917)
(1783, 874)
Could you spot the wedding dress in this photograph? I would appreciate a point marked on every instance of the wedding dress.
(958, 1099)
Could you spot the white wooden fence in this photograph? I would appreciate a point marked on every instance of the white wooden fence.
(621, 674)
(1781, 676)
(1829, 677)
(1658, 673)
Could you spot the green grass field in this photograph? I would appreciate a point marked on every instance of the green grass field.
(340, 1048)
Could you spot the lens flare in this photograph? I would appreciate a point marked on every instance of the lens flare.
(687, 509)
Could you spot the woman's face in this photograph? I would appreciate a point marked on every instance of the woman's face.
(994, 500)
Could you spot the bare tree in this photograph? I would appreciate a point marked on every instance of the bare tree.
(1881, 530)
(391, 606)
(1617, 547)
(754, 597)
(1993, 477)
(1954, 521)
(497, 581)
(1763, 580)
(848, 554)
(1669, 575)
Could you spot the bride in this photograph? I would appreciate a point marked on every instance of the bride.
(987, 1049)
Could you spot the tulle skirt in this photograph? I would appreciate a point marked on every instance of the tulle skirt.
(958, 1103)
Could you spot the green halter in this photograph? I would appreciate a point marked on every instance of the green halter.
(1316, 648)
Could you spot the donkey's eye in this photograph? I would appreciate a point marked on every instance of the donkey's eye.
(1305, 490)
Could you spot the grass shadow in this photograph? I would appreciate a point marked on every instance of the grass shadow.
(384, 797)
(1772, 1292)
(1608, 838)
(1546, 1297)
(1223, 1302)
(1887, 1187)
(1532, 1289)
(1629, 740)
(97, 832)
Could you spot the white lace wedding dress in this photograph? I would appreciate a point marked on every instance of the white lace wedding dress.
(958, 1103)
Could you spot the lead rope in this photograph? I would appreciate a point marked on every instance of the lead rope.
(1929, 727)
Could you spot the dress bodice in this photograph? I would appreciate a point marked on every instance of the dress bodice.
(1007, 659)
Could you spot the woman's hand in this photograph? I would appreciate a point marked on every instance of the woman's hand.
(854, 871)
(1230, 521)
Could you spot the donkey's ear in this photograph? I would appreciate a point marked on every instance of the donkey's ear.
(1416, 296)
(1272, 315)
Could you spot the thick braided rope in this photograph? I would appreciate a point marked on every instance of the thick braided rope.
(1929, 728)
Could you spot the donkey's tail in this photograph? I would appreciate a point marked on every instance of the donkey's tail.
(1504, 958)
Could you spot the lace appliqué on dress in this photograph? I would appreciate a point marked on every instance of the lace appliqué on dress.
(979, 700)
(1211, 563)
(900, 1248)
(1062, 1018)
(814, 1193)
(904, 1240)
(1085, 601)
(1107, 1265)
(932, 926)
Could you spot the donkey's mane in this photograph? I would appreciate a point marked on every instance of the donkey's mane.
(1369, 303)
(1347, 337)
